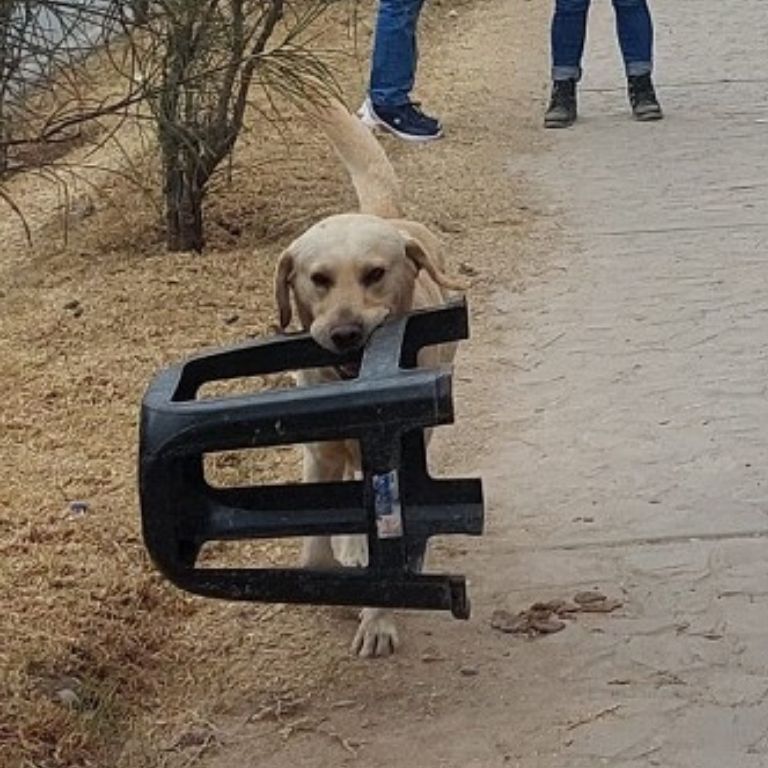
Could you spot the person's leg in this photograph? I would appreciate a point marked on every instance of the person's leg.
(635, 32)
(568, 32)
(393, 72)
(393, 68)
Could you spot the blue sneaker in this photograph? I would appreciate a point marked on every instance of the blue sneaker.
(406, 122)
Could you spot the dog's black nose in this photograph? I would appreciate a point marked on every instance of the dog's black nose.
(347, 337)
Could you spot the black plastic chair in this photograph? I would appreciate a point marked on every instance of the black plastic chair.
(396, 504)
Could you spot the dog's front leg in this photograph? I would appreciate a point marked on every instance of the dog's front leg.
(377, 633)
(351, 550)
(322, 464)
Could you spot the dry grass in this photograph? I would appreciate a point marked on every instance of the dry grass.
(100, 657)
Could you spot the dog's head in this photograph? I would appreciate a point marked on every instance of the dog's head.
(348, 274)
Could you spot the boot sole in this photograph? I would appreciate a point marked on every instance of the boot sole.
(558, 123)
(648, 117)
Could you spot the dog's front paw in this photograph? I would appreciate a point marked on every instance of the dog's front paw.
(376, 635)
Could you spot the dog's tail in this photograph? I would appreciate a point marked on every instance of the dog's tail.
(374, 179)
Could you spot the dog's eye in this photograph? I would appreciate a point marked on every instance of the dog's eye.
(373, 276)
(321, 280)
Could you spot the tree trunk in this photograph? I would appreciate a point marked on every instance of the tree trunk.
(140, 12)
(183, 211)
(6, 11)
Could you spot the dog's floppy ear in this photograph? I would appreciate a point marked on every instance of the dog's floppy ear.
(422, 260)
(283, 277)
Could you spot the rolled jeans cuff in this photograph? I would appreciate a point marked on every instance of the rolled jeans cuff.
(566, 73)
(636, 68)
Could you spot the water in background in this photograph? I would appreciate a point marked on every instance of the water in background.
(42, 36)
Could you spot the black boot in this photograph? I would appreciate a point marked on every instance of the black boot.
(562, 106)
(642, 97)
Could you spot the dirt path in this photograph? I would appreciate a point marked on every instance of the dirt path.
(615, 407)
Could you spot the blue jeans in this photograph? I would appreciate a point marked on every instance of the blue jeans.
(569, 29)
(393, 69)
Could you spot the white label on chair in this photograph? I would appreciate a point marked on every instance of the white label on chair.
(389, 513)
